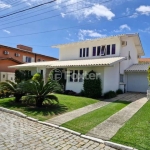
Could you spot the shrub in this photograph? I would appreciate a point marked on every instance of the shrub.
(11, 88)
(39, 92)
(92, 85)
(37, 77)
(110, 94)
(70, 92)
(82, 93)
(22, 75)
(119, 91)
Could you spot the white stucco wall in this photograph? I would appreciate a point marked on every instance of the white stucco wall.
(111, 78)
(7, 76)
(124, 52)
(72, 52)
(78, 86)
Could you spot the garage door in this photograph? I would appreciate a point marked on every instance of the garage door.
(137, 82)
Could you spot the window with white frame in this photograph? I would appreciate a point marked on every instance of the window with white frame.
(104, 50)
(76, 76)
(84, 52)
(121, 78)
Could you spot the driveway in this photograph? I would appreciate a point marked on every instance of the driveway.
(18, 133)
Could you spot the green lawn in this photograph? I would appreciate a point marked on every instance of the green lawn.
(136, 132)
(88, 121)
(66, 103)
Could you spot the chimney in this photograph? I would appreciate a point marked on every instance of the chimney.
(22, 47)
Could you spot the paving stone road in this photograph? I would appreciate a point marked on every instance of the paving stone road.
(18, 133)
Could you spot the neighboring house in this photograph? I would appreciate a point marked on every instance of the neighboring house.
(113, 58)
(144, 60)
(13, 56)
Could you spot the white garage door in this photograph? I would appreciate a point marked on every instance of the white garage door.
(137, 82)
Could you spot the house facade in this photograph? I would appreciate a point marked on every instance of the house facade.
(112, 58)
(14, 56)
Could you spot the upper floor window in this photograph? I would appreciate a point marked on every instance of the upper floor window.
(17, 54)
(28, 59)
(94, 51)
(104, 50)
(84, 52)
(108, 49)
(113, 48)
(6, 52)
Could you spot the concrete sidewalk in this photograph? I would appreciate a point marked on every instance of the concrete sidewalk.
(79, 112)
(107, 129)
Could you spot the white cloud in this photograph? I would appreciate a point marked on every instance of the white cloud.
(4, 5)
(99, 11)
(146, 30)
(6, 31)
(127, 11)
(123, 27)
(83, 9)
(89, 34)
(63, 15)
(145, 10)
(135, 15)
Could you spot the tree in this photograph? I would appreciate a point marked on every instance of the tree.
(37, 77)
(92, 85)
(41, 92)
(149, 76)
(22, 75)
(13, 88)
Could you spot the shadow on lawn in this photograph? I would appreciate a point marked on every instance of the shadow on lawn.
(53, 109)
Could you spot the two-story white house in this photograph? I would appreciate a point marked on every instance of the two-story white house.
(114, 58)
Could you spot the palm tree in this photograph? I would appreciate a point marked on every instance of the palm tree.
(40, 91)
(13, 88)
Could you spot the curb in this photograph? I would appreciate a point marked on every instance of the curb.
(118, 146)
(107, 143)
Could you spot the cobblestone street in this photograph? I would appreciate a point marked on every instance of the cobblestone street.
(18, 133)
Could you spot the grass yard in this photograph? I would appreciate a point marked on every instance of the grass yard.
(88, 121)
(136, 132)
(66, 104)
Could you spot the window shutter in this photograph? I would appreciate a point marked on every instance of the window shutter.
(24, 58)
(32, 59)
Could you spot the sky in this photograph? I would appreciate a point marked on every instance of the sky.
(65, 21)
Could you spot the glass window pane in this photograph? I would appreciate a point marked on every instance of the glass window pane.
(103, 51)
(113, 48)
(98, 50)
(108, 49)
(71, 75)
(94, 51)
(81, 76)
(76, 76)
(121, 78)
(87, 52)
(81, 52)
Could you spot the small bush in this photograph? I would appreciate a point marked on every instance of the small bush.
(70, 92)
(82, 93)
(37, 77)
(119, 91)
(110, 94)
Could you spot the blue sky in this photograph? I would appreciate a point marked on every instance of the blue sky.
(92, 18)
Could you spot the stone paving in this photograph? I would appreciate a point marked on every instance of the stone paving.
(79, 112)
(18, 133)
(107, 129)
